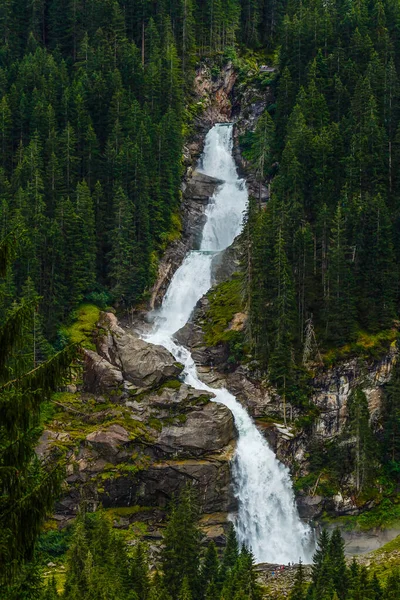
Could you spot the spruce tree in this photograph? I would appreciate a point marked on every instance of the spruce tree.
(180, 555)
(25, 501)
(391, 423)
(360, 441)
(298, 591)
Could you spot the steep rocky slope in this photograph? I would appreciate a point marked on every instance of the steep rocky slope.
(135, 434)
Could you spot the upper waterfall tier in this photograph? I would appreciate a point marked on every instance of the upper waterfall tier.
(267, 520)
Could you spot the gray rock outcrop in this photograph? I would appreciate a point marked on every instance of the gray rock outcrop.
(209, 430)
(136, 434)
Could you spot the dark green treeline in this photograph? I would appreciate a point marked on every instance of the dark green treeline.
(28, 485)
(333, 579)
(99, 565)
(325, 252)
(92, 119)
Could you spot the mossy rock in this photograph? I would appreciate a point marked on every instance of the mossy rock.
(172, 384)
(225, 300)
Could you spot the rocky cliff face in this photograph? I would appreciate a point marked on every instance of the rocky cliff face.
(134, 434)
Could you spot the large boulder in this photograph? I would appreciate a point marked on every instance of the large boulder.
(204, 431)
(100, 376)
(201, 187)
(110, 441)
(145, 365)
(126, 362)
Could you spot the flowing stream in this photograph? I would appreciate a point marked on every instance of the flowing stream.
(267, 520)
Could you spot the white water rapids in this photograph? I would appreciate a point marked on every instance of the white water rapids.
(267, 520)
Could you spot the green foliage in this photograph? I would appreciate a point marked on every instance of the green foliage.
(81, 330)
(28, 487)
(180, 557)
(99, 565)
(53, 544)
(225, 301)
(383, 516)
(334, 579)
(334, 194)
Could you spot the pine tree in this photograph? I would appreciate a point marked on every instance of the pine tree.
(261, 147)
(77, 582)
(231, 553)
(282, 362)
(360, 440)
(122, 248)
(51, 592)
(180, 556)
(298, 590)
(185, 591)
(320, 555)
(25, 500)
(391, 423)
(210, 569)
(340, 297)
(140, 572)
(84, 245)
(338, 562)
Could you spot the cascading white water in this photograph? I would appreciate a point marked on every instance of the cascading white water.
(267, 520)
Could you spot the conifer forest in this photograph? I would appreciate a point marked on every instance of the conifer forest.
(199, 299)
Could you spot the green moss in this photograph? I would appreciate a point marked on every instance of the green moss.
(366, 346)
(173, 384)
(174, 232)
(225, 302)
(383, 516)
(155, 423)
(200, 401)
(128, 511)
(85, 320)
(316, 484)
(83, 419)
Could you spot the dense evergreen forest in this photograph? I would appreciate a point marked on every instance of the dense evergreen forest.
(93, 114)
(96, 102)
(324, 262)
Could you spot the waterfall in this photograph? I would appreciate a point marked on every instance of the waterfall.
(267, 520)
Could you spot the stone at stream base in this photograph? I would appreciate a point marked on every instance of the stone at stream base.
(201, 187)
(143, 364)
(100, 376)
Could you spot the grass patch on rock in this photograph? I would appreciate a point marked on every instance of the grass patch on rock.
(383, 516)
(225, 301)
(81, 329)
